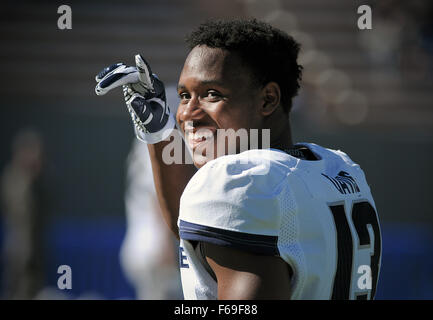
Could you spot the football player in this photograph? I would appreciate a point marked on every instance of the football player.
(293, 221)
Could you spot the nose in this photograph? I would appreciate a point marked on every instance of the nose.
(191, 110)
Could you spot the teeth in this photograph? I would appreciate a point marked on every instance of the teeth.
(204, 134)
(200, 135)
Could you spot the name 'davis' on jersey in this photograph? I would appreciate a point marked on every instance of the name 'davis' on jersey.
(343, 182)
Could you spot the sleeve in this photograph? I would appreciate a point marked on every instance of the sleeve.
(232, 203)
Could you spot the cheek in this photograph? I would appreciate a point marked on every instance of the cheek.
(239, 117)
(225, 114)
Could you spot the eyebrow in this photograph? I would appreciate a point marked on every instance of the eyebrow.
(203, 82)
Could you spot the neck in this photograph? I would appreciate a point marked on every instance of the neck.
(281, 133)
(283, 140)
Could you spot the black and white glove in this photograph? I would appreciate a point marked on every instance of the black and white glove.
(144, 96)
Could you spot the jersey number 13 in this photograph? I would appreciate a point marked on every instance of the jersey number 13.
(362, 215)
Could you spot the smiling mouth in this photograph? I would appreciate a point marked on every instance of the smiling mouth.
(199, 136)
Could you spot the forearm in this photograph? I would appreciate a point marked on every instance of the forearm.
(153, 122)
(170, 181)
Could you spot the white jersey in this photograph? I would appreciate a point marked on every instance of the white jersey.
(318, 216)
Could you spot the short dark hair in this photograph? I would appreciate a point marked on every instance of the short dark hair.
(270, 53)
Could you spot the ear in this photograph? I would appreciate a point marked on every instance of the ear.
(271, 94)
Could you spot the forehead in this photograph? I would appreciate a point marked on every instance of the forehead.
(213, 64)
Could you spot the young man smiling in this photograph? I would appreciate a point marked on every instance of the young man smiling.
(306, 229)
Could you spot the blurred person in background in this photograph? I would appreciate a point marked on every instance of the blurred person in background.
(148, 253)
(24, 208)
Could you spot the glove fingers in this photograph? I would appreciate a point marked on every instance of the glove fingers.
(139, 104)
(151, 113)
(118, 77)
(106, 70)
(126, 92)
(129, 91)
(144, 72)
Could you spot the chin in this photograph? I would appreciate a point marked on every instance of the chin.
(200, 161)
(205, 152)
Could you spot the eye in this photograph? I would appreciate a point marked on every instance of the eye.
(213, 95)
(184, 96)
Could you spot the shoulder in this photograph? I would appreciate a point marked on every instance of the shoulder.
(250, 172)
(249, 169)
(336, 164)
(328, 154)
(236, 196)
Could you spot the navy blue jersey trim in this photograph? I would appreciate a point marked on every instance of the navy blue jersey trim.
(254, 243)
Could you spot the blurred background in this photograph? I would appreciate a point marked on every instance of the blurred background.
(74, 181)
